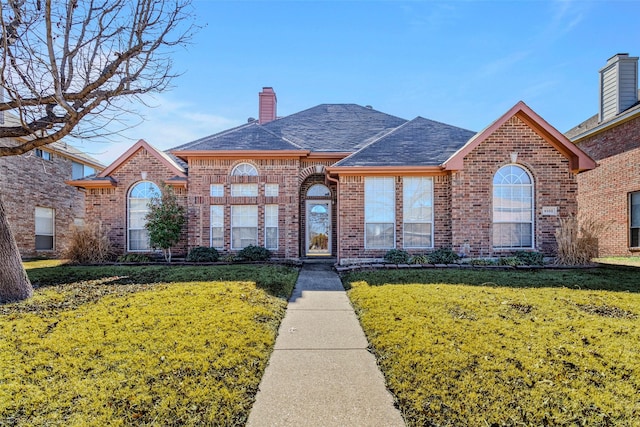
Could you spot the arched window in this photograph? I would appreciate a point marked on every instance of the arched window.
(318, 190)
(137, 208)
(512, 208)
(244, 169)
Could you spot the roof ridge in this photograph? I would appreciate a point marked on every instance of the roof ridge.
(281, 137)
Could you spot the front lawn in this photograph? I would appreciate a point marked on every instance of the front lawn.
(139, 345)
(499, 348)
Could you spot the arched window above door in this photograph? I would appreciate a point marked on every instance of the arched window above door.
(318, 190)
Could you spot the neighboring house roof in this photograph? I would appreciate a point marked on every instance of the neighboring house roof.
(592, 125)
(578, 159)
(419, 142)
(334, 127)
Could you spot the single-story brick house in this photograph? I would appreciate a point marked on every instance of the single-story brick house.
(610, 193)
(347, 181)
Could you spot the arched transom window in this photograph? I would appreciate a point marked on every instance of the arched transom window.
(244, 169)
(137, 208)
(512, 208)
(318, 190)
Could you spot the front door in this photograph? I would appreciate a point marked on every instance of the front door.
(318, 242)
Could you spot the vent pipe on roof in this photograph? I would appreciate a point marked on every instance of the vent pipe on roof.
(618, 85)
(267, 105)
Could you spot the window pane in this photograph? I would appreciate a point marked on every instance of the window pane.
(512, 235)
(217, 190)
(217, 216)
(635, 237)
(318, 190)
(512, 208)
(379, 200)
(271, 238)
(244, 169)
(139, 240)
(635, 209)
(138, 207)
(271, 190)
(417, 199)
(44, 221)
(77, 170)
(417, 235)
(217, 237)
(44, 243)
(244, 216)
(244, 190)
(271, 215)
(379, 236)
(243, 237)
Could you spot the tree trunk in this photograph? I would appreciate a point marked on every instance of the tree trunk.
(14, 283)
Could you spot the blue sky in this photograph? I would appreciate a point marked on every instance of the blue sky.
(464, 63)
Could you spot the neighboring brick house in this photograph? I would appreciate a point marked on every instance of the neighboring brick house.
(40, 207)
(610, 193)
(345, 181)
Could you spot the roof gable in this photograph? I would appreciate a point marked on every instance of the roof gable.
(578, 159)
(163, 157)
(419, 142)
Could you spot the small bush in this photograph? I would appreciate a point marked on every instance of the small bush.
(419, 259)
(530, 258)
(482, 262)
(443, 256)
(577, 240)
(254, 253)
(228, 258)
(511, 261)
(89, 245)
(134, 258)
(397, 256)
(203, 254)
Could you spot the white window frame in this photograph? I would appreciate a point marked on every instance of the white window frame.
(379, 191)
(421, 181)
(244, 169)
(42, 214)
(531, 222)
(271, 190)
(152, 190)
(271, 221)
(634, 218)
(216, 215)
(234, 223)
(244, 190)
(43, 154)
(216, 190)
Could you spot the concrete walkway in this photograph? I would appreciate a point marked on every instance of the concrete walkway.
(320, 372)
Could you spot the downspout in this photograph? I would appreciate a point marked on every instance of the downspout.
(337, 181)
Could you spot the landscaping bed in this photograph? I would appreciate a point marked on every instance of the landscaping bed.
(139, 345)
(504, 348)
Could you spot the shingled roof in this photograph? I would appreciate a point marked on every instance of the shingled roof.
(420, 142)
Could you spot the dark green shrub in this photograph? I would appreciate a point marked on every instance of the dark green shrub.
(419, 259)
(203, 254)
(482, 262)
(530, 258)
(397, 256)
(254, 253)
(134, 258)
(510, 260)
(443, 256)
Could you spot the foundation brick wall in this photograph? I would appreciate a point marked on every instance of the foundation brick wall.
(472, 193)
(27, 181)
(604, 191)
(109, 205)
(604, 197)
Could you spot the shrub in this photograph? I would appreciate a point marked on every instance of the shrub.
(510, 260)
(89, 245)
(254, 253)
(530, 258)
(419, 259)
(397, 256)
(228, 258)
(443, 256)
(482, 262)
(577, 240)
(203, 254)
(134, 258)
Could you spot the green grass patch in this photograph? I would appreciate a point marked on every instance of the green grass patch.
(510, 352)
(633, 261)
(123, 346)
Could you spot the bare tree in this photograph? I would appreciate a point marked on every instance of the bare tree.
(70, 67)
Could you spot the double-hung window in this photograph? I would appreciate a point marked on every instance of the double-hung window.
(512, 208)
(417, 212)
(217, 227)
(45, 229)
(244, 226)
(634, 220)
(271, 226)
(379, 212)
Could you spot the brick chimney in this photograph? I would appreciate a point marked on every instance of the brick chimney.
(618, 85)
(267, 107)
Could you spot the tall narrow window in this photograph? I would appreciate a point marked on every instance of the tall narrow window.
(634, 208)
(271, 226)
(217, 227)
(244, 226)
(512, 208)
(138, 206)
(45, 229)
(379, 212)
(417, 212)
